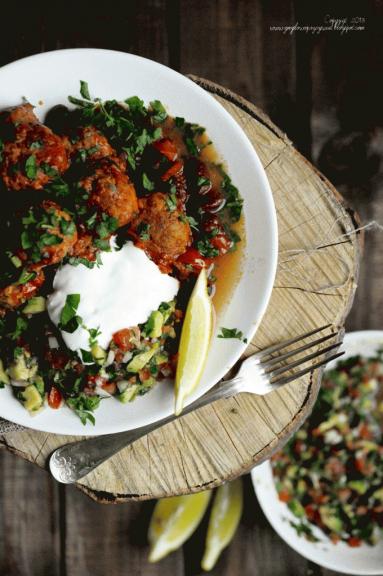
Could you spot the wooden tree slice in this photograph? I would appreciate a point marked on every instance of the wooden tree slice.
(315, 284)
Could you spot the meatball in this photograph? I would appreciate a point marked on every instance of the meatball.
(111, 190)
(16, 294)
(85, 248)
(90, 142)
(161, 229)
(49, 234)
(32, 154)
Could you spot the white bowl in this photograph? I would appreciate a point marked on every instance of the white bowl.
(47, 79)
(360, 561)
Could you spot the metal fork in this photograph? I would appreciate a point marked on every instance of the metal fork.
(259, 374)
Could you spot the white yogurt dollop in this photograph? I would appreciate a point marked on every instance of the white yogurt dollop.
(120, 293)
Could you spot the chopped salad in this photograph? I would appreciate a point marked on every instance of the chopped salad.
(330, 474)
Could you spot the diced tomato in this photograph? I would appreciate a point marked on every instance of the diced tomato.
(284, 496)
(122, 339)
(174, 170)
(144, 374)
(354, 542)
(54, 398)
(194, 258)
(365, 432)
(109, 387)
(56, 359)
(167, 148)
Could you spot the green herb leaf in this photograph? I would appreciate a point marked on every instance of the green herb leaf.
(171, 201)
(87, 357)
(31, 167)
(21, 326)
(84, 90)
(25, 240)
(234, 202)
(68, 227)
(143, 231)
(147, 183)
(232, 333)
(206, 249)
(158, 110)
(26, 276)
(136, 105)
(69, 321)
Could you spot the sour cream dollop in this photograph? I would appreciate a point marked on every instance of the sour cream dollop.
(120, 293)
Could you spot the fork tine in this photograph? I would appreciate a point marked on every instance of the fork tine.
(282, 345)
(286, 355)
(287, 367)
(286, 379)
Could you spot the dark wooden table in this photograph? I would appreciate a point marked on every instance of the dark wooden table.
(325, 90)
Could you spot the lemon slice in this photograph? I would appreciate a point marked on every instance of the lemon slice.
(174, 520)
(194, 343)
(224, 519)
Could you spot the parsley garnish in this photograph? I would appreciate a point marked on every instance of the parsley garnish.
(147, 183)
(69, 321)
(84, 405)
(31, 167)
(232, 333)
(84, 90)
(234, 201)
(21, 326)
(158, 110)
(171, 201)
(26, 276)
(206, 249)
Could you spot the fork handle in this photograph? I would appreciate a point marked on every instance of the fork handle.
(73, 461)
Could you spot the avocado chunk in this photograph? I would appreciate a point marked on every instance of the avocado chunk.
(139, 361)
(155, 323)
(31, 398)
(330, 519)
(35, 305)
(128, 394)
(4, 378)
(19, 369)
(98, 353)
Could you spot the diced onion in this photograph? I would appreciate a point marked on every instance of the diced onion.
(110, 358)
(52, 342)
(20, 383)
(122, 385)
(127, 357)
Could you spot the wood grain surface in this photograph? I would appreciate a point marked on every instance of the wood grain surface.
(322, 90)
(316, 278)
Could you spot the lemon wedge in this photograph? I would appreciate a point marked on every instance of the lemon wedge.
(173, 521)
(194, 343)
(224, 519)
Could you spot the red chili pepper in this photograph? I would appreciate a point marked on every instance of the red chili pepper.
(54, 398)
(174, 170)
(194, 258)
(222, 242)
(167, 148)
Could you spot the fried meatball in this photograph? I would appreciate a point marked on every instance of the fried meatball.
(92, 143)
(32, 155)
(22, 114)
(16, 294)
(111, 190)
(48, 236)
(85, 248)
(161, 229)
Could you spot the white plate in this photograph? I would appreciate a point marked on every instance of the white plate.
(363, 560)
(46, 80)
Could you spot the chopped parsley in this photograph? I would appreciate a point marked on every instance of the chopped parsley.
(234, 202)
(158, 111)
(31, 167)
(171, 201)
(69, 321)
(143, 231)
(232, 333)
(147, 183)
(206, 249)
(84, 405)
(84, 90)
(26, 276)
